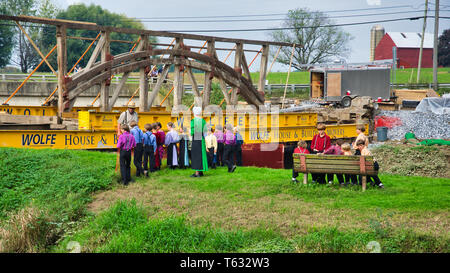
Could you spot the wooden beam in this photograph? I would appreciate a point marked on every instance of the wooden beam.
(158, 85)
(245, 68)
(143, 80)
(178, 80)
(237, 67)
(93, 26)
(104, 89)
(208, 80)
(61, 33)
(97, 50)
(263, 69)
(223, 85)
(193, 81)
(118, 89)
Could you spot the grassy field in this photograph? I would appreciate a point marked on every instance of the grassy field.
(404, 76)
(251, 210)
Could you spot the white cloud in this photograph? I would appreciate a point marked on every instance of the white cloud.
(373, 2)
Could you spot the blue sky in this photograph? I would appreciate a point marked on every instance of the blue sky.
(195, 8)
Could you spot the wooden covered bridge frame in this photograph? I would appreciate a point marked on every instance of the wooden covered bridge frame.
(144, 56)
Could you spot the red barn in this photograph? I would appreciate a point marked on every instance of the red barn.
(408, 47)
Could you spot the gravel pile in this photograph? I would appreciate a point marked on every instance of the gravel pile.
(423, 125)
(304, 105)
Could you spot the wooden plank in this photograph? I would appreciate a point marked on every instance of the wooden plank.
(97, 50)
(93, 26)
(263, 68)
(207, 80)
(364, 183)
(178, 81)
(119, 88)
(334, 84)
(335, 171)
(143, 81)
(193, 81)
(341, 167)
(61, 34)
(338, 162)
(237, 66)
(245, 67)
(104, 88)
(333, 157)
(158, 85)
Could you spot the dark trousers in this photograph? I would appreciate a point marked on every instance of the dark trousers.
(237, 153)
(149, 158)
(351, 178)
(375, 178)
(138, 151)
(210, 156)
(318, 177)
(125, 163)
(220, 147)
(228, 156)
(340, 177)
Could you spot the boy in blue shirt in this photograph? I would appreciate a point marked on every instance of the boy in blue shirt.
(149, 148)
(138, 137)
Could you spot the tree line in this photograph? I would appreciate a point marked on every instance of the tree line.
(15, 49)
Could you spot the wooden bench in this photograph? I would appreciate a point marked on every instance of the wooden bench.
(335, 164)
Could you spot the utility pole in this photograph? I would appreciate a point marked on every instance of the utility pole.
(435, 45)
(421, 42)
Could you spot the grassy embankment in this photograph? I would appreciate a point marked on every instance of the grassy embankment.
(46, 203)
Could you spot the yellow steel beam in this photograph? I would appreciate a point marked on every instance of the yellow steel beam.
(107, 139)
(108, 120)
(59, 139)
(52, 110)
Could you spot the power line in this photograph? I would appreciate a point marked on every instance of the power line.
(277, 19)
(269, 14)
(289, 28)
(263, 29)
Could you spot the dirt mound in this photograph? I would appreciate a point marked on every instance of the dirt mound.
(407, 159)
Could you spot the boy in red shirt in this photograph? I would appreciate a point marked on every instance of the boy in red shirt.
(301, 149)
(319, 144)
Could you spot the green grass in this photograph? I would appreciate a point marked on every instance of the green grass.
(125, 228)
(247, 183)
(58, 180)
(251, 210)
(403, 76)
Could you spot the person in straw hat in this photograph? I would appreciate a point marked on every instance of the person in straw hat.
(199, 162)
(129, 115)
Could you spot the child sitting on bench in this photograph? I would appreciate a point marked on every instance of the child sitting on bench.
(335, 149)
(301, 149)
(349, 178)
(361, 145)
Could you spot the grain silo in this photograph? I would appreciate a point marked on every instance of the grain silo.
(376, 33)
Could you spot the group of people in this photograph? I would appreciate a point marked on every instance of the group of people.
(205, 147)
(321, 144)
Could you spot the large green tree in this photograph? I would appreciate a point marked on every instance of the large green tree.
(96, 14)
(310, 29)
(6, 40)
(24, 55)
(444, 49)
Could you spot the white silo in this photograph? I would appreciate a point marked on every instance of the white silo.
(376, 33)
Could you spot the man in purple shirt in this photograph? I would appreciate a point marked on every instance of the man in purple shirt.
(228, 148)
(126, 144)
(220, 144)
